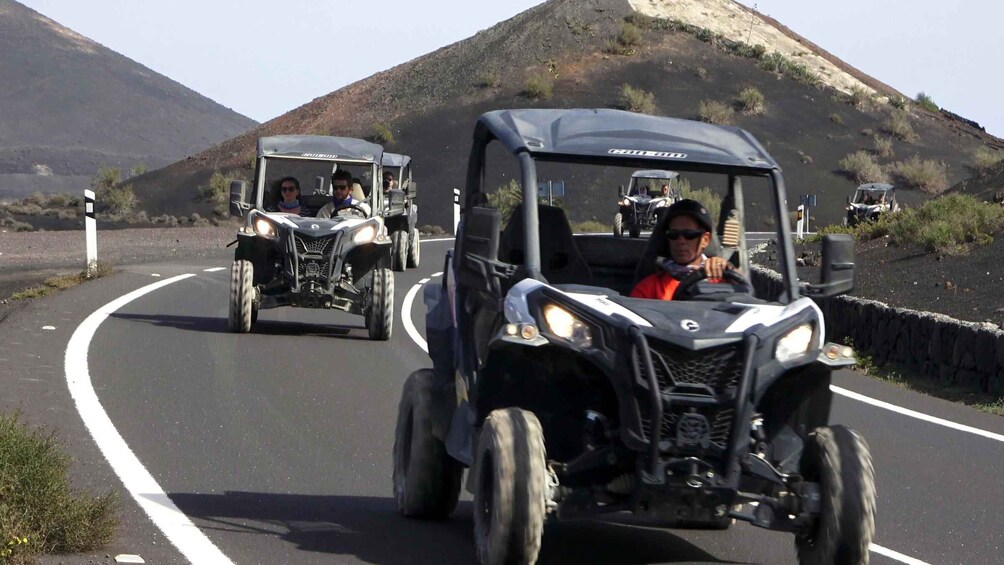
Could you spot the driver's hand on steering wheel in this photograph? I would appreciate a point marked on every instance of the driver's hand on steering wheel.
(715, 267)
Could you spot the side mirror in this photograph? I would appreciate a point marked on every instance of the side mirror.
(395, 198)
(838, 267)
(238, 198)
(620, 190)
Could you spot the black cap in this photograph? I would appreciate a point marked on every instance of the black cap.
(690, 208)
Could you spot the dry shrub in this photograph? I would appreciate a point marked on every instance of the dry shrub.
(985, 158)
(899, 126)
(538, 87)
(751, 101)
(715, 112)
(636, 100)
(925, 174)
(862, 167)
(883, 146)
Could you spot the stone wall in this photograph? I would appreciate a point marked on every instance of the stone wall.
(954, 352)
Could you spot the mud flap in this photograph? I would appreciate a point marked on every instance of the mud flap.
(439, 331)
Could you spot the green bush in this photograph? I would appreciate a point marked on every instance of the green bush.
(985, 157)
(701, 73)
(636, 100)
(898, 124)
(38, 507)
(862, 167)
(137, 170)
(106, 178)
(835, 118)
(12, 225)
(777, 63)
(927, 103)
(24, 209)
(860, 98)
(883, 146)
(897, 102)
(591, 226)
(751, 101)
(487, 80)
(505, 199)
(948, 224)
(382, 134)
(629, 36)
(538, 87)
(706, 196)
(714, 112)
(925, 174)
(217, 192)
(119, 199)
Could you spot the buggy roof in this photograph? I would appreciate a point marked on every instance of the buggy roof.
(876, 187)
(395, 160)
(655, 174)
(553, 134)
(320, 147)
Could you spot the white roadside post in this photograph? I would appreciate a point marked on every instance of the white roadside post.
(91, 233)
(456, 209)
(800, 224)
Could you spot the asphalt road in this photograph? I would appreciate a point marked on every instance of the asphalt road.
(276, 444)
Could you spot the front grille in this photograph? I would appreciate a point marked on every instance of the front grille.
(708, 379)
(314, 256)
(314, 245)
(680, 370)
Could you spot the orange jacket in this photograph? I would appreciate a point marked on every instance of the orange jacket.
(660, 286)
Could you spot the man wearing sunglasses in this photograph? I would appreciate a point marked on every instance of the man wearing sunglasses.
(341, 195)
(688, 234)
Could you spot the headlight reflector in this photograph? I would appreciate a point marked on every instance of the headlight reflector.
(794, 343)
(365, 234)
(264, 228)
(565, 325)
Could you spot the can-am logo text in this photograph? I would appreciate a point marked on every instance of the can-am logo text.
(320, 155)
(644, 153)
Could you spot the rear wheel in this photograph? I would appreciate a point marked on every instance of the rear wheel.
(839, 460)
(618, 225)
(414, 249)
(509, 488)
(380, 314)
(426, 478)
(242, 307)
(399, 250)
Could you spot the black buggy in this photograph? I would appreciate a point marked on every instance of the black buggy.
(567, 398)
(401, 212)
(299, 260)
(639, 208)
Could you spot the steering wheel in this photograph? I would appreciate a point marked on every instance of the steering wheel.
(685, 289)
(350, 206)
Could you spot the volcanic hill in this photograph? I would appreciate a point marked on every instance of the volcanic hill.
(816, 109)
(71, 105)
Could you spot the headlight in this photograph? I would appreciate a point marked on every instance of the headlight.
(625, 202)
(365, 234)
(794, 343)
(566, 326)
(264, 228)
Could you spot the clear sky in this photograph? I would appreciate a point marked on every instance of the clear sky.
(264, 58)
(946, 49)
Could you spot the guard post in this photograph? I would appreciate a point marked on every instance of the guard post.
(90, 233)
(456, 209)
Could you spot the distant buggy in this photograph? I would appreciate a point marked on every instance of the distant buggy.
(871, 201)
(566, 398)
(401, 211)
(648, 192)
(340, 263)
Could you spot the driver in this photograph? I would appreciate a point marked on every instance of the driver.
(688, 233)
(341, 195)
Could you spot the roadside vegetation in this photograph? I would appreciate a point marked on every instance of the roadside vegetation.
(63, 282)
(538, 87)
(382, 133)
(984, 158)
(947, 225)
(898, 125)
(217, 191)
(862, 167)
(627, 40)
(487, 80)
(919, 382)
(636, 100)
(927, 103)
(750, 101)
(925, 174)
(715, 112)
(40, 513)
(882, 146)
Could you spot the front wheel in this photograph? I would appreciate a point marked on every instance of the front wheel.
(380, 314)
(618, 225)
(509, 488)
(839, 460)
(634, 231)
(242, 306)
(414, 249)
(426, 478)
(399, 250)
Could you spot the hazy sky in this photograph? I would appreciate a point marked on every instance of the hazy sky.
(264, 58)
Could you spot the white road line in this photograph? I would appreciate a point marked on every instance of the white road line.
(417, 338)
(181, 532)
(915, 414)
(896, 555)
(214, 269)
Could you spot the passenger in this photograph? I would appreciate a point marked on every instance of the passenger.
(688, 234)
(341, 195)
(389, 182)
(289, 201)
(665, 190)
